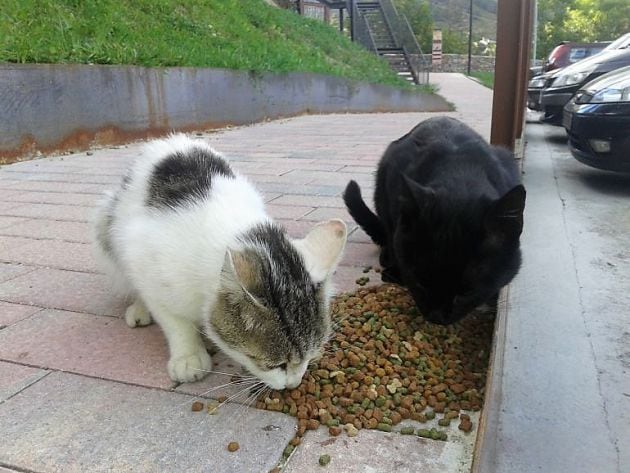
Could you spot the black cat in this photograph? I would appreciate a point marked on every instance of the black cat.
(449, 215)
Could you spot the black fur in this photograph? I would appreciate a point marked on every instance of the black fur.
(185, 177)
(449, 215)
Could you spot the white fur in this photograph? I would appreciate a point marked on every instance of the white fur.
(170, 261)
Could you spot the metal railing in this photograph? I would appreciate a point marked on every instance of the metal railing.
(406, 40)
(361, 31)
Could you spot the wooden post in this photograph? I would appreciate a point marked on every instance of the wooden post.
(514, 33)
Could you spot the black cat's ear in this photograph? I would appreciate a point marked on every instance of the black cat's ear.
(422, 196)
(504, 220)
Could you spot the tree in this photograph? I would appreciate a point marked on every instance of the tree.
(580, 20)
(454, 42)
(420, 20)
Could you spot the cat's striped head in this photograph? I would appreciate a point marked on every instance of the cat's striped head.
(273, 314)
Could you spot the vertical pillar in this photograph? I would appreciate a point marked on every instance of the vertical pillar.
(514, 33)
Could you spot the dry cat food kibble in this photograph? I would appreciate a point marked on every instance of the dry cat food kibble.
(324, 459)
(197, 406)
(233, 446)
(385, 364)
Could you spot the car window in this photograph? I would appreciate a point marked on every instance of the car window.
(578, 53)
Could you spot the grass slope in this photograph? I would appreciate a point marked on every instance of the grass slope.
(486, 78)
(233, 34)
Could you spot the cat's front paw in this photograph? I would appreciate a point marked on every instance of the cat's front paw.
(137, 315)
(189, 368)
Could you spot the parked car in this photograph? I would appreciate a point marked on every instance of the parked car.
(535, 87)
(597, 120)
(559, 90)
(564, 54)
(567, 53)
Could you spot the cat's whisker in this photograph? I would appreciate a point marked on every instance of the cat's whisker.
(245, 384)
(254, 392)
(227, 374)
(235, 396)
(239, 383)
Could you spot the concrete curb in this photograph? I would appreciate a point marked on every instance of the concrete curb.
(58, 107)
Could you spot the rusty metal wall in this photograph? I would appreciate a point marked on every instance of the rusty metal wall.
(52, 107)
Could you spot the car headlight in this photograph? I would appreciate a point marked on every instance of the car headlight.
(537, 83)
(570, 78)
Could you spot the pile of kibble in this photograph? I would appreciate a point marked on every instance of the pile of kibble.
(385, 364)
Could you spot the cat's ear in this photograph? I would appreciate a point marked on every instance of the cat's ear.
(322, 248)
(504, 220)
(419, 196)
(241, 271)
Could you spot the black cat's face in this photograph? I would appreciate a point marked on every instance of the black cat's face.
(453, 263)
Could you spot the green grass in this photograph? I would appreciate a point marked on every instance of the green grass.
(486, 78)
(233, 34)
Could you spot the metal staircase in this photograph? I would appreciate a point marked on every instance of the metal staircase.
(380, 28)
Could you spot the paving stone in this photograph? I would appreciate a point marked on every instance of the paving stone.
(11, 313)
(53, 198)
(97, 346)
(288, 211)
(6, 470)
(326, 213)
(284, 188)
(10, 221)
(359, 169)
(42, 176)
(374, 451)
(52, 212)
(50, 229)
(54, 187)
(360, 254)
(5, 206)
(10, 270)
(359, 236)
(269, 196)
(8, 243)
(14, 378)
(345, 277)
(60, 289)
(73, 423)
(309, 200)
(53, 254)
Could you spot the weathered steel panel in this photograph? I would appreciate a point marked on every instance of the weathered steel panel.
(55, 107)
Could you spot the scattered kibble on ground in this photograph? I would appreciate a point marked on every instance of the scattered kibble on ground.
(385, 364)
(233, 446)
(197, 406)
(324, 459)
(363, 280)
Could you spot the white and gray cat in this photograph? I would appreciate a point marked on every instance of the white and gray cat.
(189, 240)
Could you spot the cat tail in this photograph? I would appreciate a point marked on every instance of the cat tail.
(361, 214)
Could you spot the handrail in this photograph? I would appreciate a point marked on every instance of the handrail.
(362, 31)
(423, 64)
(406, 40)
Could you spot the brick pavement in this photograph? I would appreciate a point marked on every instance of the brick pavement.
(77, 386)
